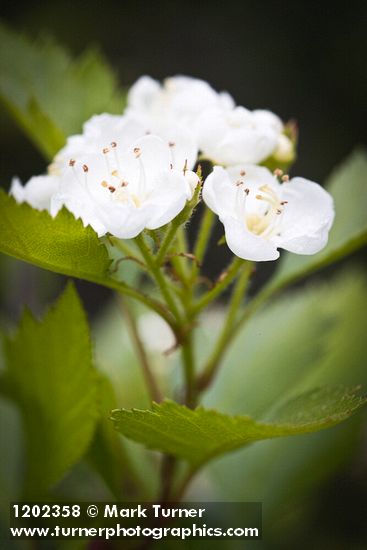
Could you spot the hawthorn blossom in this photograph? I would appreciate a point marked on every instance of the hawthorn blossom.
(122, 191)
(180, 99)
(236, 136)
(37, 192)
(225, 133)
(260, 214)
(101, 130)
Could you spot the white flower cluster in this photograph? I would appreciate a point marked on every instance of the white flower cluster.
(133, 171)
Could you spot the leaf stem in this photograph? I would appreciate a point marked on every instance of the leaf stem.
(150, 380)
(189, 368)
(168, 238)
(223, 282)
(238, 294)
(158, 276)
(202, 241)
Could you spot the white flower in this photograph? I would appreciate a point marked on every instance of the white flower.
(260, 214)
(37, 191)
(123, 191)
(102, 130)
(155, 333)
(236, 136)
(180, 100)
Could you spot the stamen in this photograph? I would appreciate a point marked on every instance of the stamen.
(142, 177)
(113, 144)
(104, 183)
(85, 168)
(171, 144)
(285, 178)
(105, 150)
(242, 173)
(115, 173)
(111, 188)
(278, 172)
(72, 164)
(284, 202)
(239, 182)
(247, 190)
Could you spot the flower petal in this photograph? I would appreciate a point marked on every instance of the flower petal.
(245, 244)
(307, 218)
(37, 191)
(219, 193)
(142, 94)
(167, 199)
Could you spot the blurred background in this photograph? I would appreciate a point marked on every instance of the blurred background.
(303, 60)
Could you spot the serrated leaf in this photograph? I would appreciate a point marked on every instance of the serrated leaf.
(49, 95)
(348, 186)
(106, 453)
(201, 434)
(50, 376)
(58, 244)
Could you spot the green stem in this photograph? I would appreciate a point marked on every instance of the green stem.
(150, 380)
(201, 244)
(168, 238)
(180, 263)
(238, 294)
(189, 367)
(224, 281)
(123, 246)
(158, 276)
(151, 303)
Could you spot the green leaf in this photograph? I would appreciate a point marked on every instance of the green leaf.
(106, 454)
(201, 434)
(50, 376)
(348, 186)
(58, 244)
(49, 95)
(314, 336)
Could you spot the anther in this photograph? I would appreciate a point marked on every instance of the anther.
(242, 173)
(114, 173)
(171, 166)
(137, 152)
(247, 190)
(105, 150)
(104, 183)
(284, 202)
(278, 172)
(111, 188)
(124, 183)
(279, 211)
(71, 162)
(285, 177)
(185, 167)
(113, 144)
(239, 182)
(171, 144)
(85, 168)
